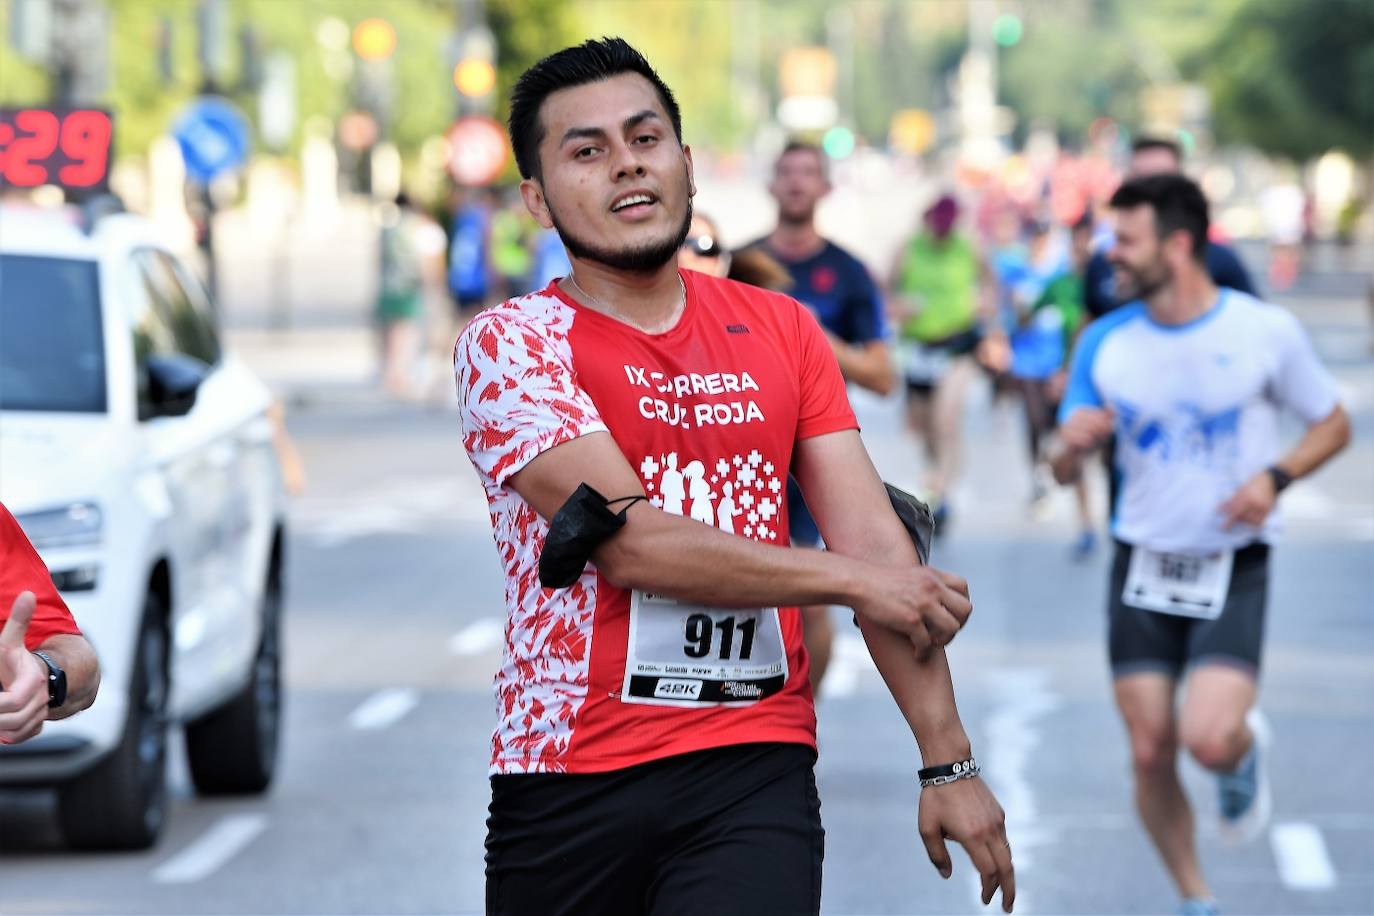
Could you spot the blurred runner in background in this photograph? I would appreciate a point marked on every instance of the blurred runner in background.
(837, 288)
(1192, 379)
(1040, 355)
(942, 293)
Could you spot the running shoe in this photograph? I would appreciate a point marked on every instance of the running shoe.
(1083, 546)
(1244, 795)
(1198, 906)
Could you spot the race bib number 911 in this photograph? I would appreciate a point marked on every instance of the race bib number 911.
(686, 655)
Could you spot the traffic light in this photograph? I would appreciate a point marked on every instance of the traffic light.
(374, 39)
(474, 77)
(1007, 29)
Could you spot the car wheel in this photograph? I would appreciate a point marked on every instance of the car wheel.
(233, 750)
(122, 802)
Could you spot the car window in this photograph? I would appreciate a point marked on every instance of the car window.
(187, 313)
(52, 346)
(152, 332)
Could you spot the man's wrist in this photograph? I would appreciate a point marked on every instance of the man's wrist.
(1279, 478)
(939, 747)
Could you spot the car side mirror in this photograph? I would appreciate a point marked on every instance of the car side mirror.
(173, 381)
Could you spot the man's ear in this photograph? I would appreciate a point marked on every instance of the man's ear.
(691, 171)
(532, 193)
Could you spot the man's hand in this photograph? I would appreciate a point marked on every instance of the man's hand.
(24, 699)
(926, 605)
(1251, 504)
(1087, 428)
(965, 811)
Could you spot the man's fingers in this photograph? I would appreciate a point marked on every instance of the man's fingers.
(982, 860)
(920, 637)
(938, 852)
(12, 636)
(957, 583)
(1006, 872)
(958, 605)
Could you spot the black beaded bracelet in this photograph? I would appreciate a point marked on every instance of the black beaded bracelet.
(948, 772)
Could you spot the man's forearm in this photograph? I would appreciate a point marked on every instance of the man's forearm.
(690, 561)
(1322, 440)
(920, 684)
(924, 691)
(74, 655)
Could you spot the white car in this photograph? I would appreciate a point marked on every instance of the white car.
(138, 456)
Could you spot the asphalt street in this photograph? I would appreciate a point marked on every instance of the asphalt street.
(394, 628)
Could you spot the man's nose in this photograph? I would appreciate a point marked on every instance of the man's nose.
(626, 162)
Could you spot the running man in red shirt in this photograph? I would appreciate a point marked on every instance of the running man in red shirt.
(656, 740)
(47, 668)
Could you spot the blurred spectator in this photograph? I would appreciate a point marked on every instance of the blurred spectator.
(701, 250)
(1282, 206)
(469, 255)
(412, 246)
(512, 235)
(549, 259)
(940, 289)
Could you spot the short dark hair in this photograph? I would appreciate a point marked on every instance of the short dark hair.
(1177, 201)
(589, 62)
(1143, 144)
(805, 146)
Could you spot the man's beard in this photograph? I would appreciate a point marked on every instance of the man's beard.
(643, 259)
(802, 216)
(1139, 285)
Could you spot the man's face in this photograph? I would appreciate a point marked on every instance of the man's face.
(799, 183)
(1138, 256)
(616, 183)
(1154, 160)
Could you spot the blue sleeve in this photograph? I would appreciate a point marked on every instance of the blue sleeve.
(1227, 270)
(866, 308)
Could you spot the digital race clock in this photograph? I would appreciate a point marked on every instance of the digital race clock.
(65, 147)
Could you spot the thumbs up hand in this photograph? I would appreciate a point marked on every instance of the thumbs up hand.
(23, 678)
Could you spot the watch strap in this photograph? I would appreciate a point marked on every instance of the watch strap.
(57, 680)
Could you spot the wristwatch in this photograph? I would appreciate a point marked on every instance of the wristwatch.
(1280, 477)
(57, 681)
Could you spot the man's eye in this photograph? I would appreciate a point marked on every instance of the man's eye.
(584, 152)
(646, 138)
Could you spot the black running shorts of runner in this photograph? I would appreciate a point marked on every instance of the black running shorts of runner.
(733, 831)
(1141, 640)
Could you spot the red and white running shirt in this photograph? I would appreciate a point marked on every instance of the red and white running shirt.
(595, 677)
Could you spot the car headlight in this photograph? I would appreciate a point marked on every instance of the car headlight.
(76, 525)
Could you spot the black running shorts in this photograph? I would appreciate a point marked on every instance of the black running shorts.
(1141, 640)
(732, 831)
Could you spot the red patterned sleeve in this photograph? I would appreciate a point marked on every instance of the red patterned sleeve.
(824, 398)
(518, 393)
(23, 570)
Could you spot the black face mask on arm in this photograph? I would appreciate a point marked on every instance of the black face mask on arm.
(580, 525)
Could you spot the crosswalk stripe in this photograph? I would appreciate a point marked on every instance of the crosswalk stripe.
(384, 708)
(212, 850)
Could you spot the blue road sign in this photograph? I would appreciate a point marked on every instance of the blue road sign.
(213, 136)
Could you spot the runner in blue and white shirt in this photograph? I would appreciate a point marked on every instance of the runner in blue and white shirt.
(1191, 379)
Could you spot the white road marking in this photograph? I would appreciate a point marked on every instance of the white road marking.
(212, 850)
(384, 708)
(1301, 853)
(480, 636)
(1010, 737)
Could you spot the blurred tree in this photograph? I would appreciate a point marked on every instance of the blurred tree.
(1073, 64)
(1295, 79)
